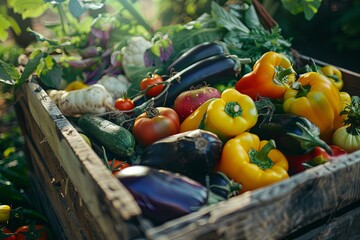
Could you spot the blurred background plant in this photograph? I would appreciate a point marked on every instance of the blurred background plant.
(323, 29)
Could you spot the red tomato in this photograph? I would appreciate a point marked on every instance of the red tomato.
(117, 165)
(149, 81)
(124, 104)
(149, 127)
(25, 232)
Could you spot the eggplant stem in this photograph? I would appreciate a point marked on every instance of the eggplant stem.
(308, 140)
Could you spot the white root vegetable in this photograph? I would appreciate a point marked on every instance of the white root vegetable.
(93, 99)
(117, 86)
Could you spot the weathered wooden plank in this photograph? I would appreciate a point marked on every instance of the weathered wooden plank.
(276, 211)
(61, 193)
(107, 200)
(342, 227)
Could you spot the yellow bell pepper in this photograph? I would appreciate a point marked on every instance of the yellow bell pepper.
(75, 85)
(252, 162)
(230, 115)
(346, 100)
(334, 74)
(193, 121)
(4, 213)
(315, 97)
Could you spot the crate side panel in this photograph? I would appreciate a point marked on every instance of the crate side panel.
(274, 211)
(69, 206)
(101, 192)
(342, 227)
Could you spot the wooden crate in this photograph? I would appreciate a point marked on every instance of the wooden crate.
(84, 200)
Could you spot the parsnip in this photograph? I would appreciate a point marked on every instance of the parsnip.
(93, 99)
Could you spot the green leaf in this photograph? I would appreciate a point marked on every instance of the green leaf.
(188, 38)
(251, 18)
(14, 25)
(8, 73)
(30, 8)
(76, 8)
(226, 19)
(309, 7)
(5, 24)
(50, 72)
(30, 67)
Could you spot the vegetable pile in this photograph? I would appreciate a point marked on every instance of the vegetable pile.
(198, 113)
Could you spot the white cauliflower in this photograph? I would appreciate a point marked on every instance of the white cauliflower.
(133, 53)
(117, 86)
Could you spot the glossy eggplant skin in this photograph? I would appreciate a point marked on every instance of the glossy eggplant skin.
(210, 71)
(193, 153)
(284, 128)
(162, 195)
(197, 53)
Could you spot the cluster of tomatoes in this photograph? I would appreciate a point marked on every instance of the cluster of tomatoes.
(152, 85)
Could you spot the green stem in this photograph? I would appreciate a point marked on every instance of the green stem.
(62, 17)
(281, 73)
(302, 90)
(309, 141)
(233, 109)
(261, 158)
(129, 6)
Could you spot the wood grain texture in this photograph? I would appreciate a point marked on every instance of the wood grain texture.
(107, 201)
(276, 211)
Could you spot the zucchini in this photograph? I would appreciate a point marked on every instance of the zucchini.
(113, 137)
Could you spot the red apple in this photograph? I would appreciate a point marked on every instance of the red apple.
(187, 102)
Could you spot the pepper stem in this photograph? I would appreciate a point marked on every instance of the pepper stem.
(309, 141)
(233, 109)
(261, 158)
(281, 74)
(302, 90)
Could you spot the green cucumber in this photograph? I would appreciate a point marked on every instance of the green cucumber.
(113, 137)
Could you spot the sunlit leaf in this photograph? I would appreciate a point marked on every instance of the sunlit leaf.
(50, 72)
(5, 24)
(226, 19)
(32, 64)
(8, 73)
(76, 8)
(30, 8)
(309, 7)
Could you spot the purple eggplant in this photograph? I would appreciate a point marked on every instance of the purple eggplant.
(163, 195)
(197, 53)
(193, 153)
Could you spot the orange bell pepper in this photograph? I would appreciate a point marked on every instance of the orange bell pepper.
(272, 74)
